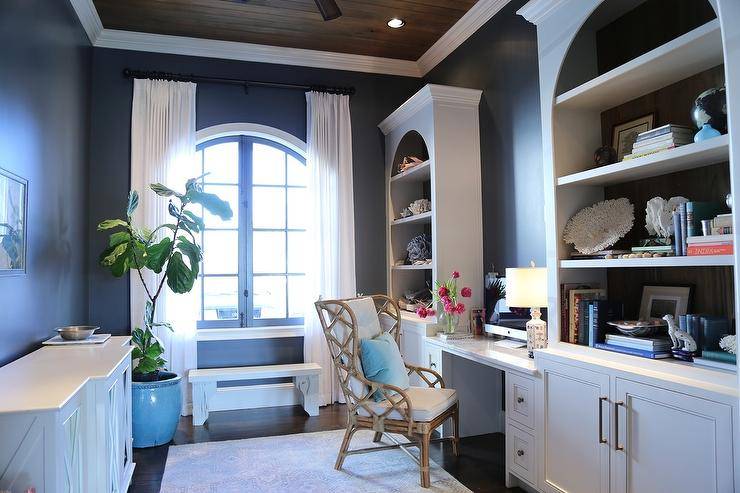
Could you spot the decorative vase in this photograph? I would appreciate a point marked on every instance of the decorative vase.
(450, 323)
(156, 410)
(706, 132)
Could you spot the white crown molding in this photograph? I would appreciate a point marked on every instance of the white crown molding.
(249, 52)
(88, 15)
(535, 11)
(459, 96)
(468, 24)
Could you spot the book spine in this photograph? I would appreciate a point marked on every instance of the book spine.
(690, 229)
(700, 250)
(677, 238)
(632, 351)
(721, 230)
(563, 313)
(667, 129)
(682, 221)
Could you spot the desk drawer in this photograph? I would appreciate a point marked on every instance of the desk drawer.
(520, 453)
(520, 399)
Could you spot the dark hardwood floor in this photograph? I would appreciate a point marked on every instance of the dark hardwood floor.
(480, 465)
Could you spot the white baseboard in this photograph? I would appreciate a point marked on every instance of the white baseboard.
(254, 396)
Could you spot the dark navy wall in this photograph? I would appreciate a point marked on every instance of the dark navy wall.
(501, 59)
(44, 85)
(376, 97)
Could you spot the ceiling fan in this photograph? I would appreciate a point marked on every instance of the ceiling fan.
(328, 8)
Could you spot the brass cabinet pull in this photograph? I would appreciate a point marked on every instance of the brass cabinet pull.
(601, 419)
(617, 446)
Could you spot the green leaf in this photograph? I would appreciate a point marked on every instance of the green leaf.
(137, 353)
(122, 263)
(180, 278)
(188, 225)
(172, 209)
(133, 203)
(163, 191)
(146, 365)
(111, 223)
(192, 251)
(117, 251)
(156, 255)
(164, 324)
(212, 203)
(119, 237)
(196, 219)
(154, 351)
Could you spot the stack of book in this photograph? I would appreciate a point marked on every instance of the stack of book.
(645, 347)
(660, 139)
(687, 220)
(707, 330)
(710, 245)
(722, 224)
(570, 297)
(594, 315)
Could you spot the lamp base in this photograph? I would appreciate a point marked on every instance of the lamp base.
(536, 332)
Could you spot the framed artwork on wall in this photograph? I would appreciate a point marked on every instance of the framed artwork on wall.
(658, 301)
(13, 218)
(625, 134)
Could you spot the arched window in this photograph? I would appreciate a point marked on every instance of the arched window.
(253, 265)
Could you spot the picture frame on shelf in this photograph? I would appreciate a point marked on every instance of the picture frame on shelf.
(625, 134)
(477, 321)
(658, 301)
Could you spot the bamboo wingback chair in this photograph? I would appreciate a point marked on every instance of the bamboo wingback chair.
(415, 412)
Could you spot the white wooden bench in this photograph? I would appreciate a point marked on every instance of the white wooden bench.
(205, 388)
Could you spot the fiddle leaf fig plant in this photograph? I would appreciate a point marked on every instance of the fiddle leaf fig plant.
(171, 248)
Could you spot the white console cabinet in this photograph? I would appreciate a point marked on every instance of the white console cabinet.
(65, 420)
(610, 428)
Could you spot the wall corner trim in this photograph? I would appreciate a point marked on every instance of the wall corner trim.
(459, 96)
(468, 24)
(88, 15)
(535, 11)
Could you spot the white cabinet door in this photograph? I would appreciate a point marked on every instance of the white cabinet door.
(575, 454)
(413, 347)
(668, 441)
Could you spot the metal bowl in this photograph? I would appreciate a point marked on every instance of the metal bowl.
(76, 332)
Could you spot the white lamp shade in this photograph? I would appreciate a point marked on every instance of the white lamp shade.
(526, 287)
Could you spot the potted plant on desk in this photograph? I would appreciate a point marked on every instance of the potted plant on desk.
(171, 249)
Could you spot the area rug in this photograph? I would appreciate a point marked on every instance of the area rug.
(296, 463)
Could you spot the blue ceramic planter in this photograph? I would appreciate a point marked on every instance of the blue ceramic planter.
(156, 411)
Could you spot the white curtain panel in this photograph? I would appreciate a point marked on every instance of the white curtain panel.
(331, 248)
(162, 151)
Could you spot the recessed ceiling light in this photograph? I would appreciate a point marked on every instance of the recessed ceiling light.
(396, 23)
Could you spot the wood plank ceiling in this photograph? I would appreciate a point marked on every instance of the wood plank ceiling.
(361, 30)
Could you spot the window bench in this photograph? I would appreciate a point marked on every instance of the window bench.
(206, 391)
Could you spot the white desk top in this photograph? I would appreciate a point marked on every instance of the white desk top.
(48, 377)
(482, 350)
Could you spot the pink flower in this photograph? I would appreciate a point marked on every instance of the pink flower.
(460, 308)
(431, 312)
(466, 292)
(443, 291)
(422, 312)
(455, 274)
(449, 308)
(445, 300)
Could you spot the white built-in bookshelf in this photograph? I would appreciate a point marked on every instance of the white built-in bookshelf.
(438, 124)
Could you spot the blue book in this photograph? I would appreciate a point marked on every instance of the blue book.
(677, 236)
(634, 352)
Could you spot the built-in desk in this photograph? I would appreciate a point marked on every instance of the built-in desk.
(510, 407)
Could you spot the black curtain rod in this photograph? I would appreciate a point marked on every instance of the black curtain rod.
(246, 84)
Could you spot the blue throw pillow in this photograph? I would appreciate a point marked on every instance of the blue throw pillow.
(382, 362)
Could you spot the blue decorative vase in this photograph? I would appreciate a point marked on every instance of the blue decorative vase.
(156, 410)
(706, 132)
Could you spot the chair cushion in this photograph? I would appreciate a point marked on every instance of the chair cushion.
(426, 403)
(382, 362)
(368, 326)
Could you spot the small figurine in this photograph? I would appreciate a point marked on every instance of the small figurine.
(684, 345)
(605, 155)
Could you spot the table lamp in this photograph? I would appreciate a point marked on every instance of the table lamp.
(526, 287)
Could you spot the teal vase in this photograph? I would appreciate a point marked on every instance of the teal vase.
(156, 411)
(706, 132)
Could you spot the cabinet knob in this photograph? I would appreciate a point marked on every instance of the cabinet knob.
(520, 452)
(432, 365)
(520, 399)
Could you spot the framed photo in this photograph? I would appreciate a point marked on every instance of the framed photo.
(13, 216)
(625, 134)
(658, 301)
(477, 320)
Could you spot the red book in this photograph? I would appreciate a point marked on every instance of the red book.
(710, 249)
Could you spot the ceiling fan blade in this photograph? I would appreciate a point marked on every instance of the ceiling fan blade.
(329, 9)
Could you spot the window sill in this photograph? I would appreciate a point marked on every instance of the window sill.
(246, 333)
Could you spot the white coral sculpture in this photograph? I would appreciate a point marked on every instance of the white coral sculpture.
(729, 344)
(600, 226)
(659, 215)
(420, 206)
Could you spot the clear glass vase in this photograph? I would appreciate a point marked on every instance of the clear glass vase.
(450, 323)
